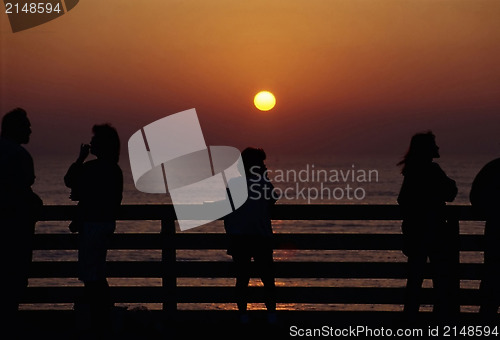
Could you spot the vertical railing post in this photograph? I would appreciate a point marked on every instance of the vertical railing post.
(168, 258)
(453, 220)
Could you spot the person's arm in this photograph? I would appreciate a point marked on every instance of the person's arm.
(73, 174)
(73, 177)
(403, 192)
(447, 186)
(450, 189)
(27, 171)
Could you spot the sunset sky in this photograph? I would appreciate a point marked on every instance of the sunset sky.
(349, 76)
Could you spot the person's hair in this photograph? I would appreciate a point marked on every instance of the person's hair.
(13, 120)
(253, 157)
(109, 141)
(422, 148)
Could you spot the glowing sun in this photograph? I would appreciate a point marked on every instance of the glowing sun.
(264, 100)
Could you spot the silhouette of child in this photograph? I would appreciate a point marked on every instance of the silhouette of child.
(249, 231)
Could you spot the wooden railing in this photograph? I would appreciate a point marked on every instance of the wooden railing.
(169, 269)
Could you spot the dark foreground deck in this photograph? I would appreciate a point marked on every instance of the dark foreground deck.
(173, 323)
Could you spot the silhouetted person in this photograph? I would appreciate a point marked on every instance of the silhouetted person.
(426, 233)
(250, 233)
(485, 200)
(97, 185)
(19, 211)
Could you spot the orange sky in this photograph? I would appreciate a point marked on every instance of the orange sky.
(355, 76)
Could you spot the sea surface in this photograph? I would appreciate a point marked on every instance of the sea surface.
(301, 180)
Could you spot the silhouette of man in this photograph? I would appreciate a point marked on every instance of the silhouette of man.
(485, 199)
(19, 210)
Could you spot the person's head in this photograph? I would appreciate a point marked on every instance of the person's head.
(105, 143)
(16, 126)
(423, 148)
(253, 160)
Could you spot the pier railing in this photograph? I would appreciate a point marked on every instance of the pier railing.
(170, 269)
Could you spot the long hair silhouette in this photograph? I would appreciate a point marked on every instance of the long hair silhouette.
(422, 148)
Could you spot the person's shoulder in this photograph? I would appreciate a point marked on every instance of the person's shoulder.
(10, 146)
(24, 153)
(91, 163)
(112, 168)
(14, 151)
(101, 164)
(493, 164)
(93, 166)
(489, 170)
(435, 165)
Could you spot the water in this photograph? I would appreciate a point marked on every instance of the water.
(381, 186)
(304, 180)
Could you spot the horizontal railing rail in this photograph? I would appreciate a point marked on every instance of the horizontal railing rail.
(298, 241)
(280, 212)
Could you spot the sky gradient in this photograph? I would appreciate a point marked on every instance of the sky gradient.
(350, 76)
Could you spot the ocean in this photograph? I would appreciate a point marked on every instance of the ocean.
(304, 180)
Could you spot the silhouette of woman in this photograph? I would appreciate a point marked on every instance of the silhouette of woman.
(97, 185)
(426, 235)
(250, 232)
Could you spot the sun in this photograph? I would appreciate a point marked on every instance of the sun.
(264, 100)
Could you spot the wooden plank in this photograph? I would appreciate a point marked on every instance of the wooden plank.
(220, 324)
(71, 294)
(318, 295)
(280, 212)
(129, 212)
(335, 212)
(124, 269)
(343, 295)
(302, 241)
(319, 241)
(212, 269)
(119, 241)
